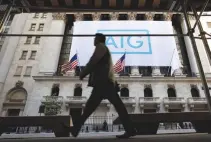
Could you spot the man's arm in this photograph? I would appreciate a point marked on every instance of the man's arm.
(99, 52)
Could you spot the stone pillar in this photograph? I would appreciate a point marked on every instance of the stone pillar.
(134, 69)
(4, 112)
(96, 16)
(155, 70)
(78, 17)
(178, 72)
(52, 45)
(114, 17)
(189, 48)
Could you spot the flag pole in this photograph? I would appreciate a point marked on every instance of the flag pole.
(171, 60)
(125, 61)
(78, 61)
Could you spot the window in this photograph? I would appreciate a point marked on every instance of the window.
(41, 26)
(33, 55)
(44, 15)
(32, 27)
(28, 40)
(36, 15)
(6, 30)
(37, 40)
(28, 71)
(55, 90)
(209, 24)
(18, 70)
(23, 56)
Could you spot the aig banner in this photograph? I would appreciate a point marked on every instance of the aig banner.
(140, 50)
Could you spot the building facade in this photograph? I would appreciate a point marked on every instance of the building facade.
(32, 80)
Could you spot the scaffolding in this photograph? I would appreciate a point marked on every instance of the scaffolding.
(184, 4)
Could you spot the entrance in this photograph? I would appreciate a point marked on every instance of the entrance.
(75, 114)
(13, 112)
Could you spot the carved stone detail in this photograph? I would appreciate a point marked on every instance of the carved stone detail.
(171, 86)
(147, 86)
(96, 16)
(150, 16)
(114, 16)
(78, 16)
(124, 85)
(132, 16)
(19, 84)
(78, 85)
(167, 16)
(193, 86)
(59, 16)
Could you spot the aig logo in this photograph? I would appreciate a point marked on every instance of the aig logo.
(130, 44)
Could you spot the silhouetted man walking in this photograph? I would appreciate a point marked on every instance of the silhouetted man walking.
(100, 68)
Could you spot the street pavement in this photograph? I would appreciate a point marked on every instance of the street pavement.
(110, 137)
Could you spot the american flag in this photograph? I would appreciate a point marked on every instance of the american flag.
(120, 64)
(71, 64)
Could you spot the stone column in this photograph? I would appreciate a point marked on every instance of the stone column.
(78, 17)
(114, 17)
(96, 16)
(52, 45)
(189, 47)
(4, 112)
(178, 72)
(134, 69)
(155, 70)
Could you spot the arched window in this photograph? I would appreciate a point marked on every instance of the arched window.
(171, 93)
(78, 91)
(55, 90)
(148, 92)
(195, 93)
(124, 92)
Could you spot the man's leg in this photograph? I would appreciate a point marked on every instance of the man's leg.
(91, 105)
(114, 98)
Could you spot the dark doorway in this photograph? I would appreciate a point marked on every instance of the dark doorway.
(148, 92)
(13, 112)
(171, 93)
(149, 110)
(75, 114)
(174, 110)
(195, 93)
(78, 91)
(55, 90)
(124, 92)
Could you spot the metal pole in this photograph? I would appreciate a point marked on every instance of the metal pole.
(203, 35)
(198, 61)
(71, 35)
(6, 15)
(198, 17)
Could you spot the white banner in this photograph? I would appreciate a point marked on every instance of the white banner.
(140, 51)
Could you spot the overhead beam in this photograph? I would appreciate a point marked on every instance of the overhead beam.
(156, 3)
(141, 3)
(127, 3)
(112, 3)
(98, 3)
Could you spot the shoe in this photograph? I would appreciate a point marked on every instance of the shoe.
(71, 129)
(127, 135)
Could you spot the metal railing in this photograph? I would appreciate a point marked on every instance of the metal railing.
(149, 99)
(76, 99)
(52, 99)
(193, 100)
(174, 100)
(130, 100)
